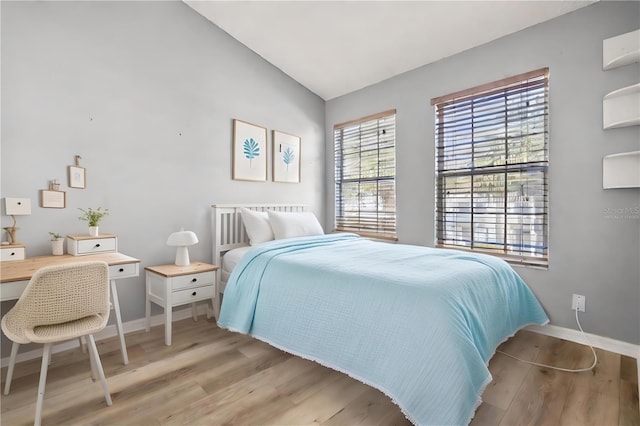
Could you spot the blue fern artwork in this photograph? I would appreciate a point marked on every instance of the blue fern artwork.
(288, 156)
(251, 150)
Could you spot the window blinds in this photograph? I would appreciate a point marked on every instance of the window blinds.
(492, 161)
(365, 175)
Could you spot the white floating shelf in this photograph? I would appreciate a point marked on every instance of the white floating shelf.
(621, 108)
(621, 170)
(621, 50)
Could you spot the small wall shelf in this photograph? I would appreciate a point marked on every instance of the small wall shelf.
(621, 170)
(621, 108)
(621, 50)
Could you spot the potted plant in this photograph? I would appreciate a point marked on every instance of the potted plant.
(57, 244)
(93, 218)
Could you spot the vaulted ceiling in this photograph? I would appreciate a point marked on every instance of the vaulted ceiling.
(336, 47)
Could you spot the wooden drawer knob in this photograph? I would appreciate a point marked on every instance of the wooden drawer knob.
(193, 294)
(121, 270)
(194, 280)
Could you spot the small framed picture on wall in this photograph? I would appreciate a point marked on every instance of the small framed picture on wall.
(286, 157)
(77, 177)
(249, 151)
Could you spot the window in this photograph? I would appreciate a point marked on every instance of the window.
(365, 170)
(491, 167)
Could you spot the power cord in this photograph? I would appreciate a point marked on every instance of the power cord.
(579, 370)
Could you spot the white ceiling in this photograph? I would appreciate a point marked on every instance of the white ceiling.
(336, 47)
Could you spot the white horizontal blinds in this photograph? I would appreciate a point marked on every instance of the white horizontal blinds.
(492, 160)
(365, 169)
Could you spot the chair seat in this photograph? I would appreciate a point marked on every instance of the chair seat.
(66, 330)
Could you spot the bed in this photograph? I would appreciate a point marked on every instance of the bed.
(418, 323)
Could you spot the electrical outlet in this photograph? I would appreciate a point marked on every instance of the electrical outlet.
(578, 302)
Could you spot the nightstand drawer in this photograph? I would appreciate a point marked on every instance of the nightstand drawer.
(79, 247)
(122, 271)
(192, 280)
(12, 253)
(192, 295)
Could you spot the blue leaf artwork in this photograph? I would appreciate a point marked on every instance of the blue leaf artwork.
(288, 156)
(251, 150)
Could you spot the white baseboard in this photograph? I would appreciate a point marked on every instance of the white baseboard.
(109, 331)
(606, 343)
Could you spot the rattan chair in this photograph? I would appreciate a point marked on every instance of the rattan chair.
(60, 303)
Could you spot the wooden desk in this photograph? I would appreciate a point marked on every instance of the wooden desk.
(15, 275)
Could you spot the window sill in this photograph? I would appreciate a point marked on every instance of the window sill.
(527, 262)
(371, 235)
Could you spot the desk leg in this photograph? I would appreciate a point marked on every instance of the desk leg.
(116, 308)
(147, 306)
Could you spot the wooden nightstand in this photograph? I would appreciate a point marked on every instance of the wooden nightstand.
(172, 285)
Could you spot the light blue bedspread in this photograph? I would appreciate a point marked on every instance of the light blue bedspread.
(419, 324)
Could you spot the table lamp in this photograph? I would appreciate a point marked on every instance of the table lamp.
(15, 207)
(182, 239)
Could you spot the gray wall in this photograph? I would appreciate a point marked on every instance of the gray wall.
(145, 92)
(594, 250)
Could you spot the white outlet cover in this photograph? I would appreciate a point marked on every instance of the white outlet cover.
(578, 302)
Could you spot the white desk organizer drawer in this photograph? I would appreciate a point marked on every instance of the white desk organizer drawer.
(12, 253)
(79, 245)
(123, 271)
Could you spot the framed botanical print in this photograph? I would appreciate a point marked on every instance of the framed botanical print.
(286, 157)
(249, 151)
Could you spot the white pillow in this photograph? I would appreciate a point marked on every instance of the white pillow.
(290, 225)
(257, 226)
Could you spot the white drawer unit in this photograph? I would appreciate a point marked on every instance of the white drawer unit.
(79, 245)
(124, 270)
(172, 285)
(9, 252)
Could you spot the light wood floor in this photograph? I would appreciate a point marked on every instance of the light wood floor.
(210, 376)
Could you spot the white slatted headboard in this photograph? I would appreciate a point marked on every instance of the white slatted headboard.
(229, 233)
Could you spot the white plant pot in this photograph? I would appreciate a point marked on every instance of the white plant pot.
(93, 231)
(57, 247)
